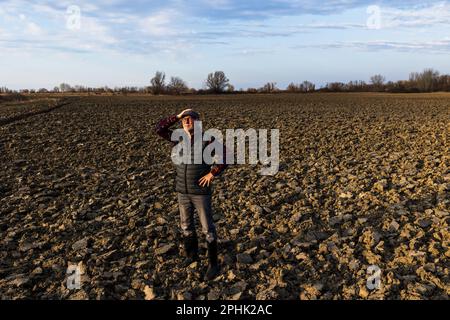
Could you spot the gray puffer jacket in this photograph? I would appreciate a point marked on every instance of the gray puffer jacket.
(189, 174)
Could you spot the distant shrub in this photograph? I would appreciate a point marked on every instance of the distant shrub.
(10, 97)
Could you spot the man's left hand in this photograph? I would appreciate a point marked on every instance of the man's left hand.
(206, 180)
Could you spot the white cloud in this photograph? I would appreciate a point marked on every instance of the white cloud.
(432, 46)
(92, 29)
(47, 10)
(433, 15)
(160, 24)
(42, 27)
(106, 28)
(335, 26)
(33, 29)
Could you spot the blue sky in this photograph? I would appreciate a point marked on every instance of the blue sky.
(119, 43)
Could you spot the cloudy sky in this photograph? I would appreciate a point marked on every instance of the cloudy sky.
(118, 42)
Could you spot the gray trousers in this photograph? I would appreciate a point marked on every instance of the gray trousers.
(202, 204)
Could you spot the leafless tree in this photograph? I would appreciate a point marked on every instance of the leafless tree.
(443, 83)
(64, 87)
(426, 81)
(158, 83)
(269, 87)
(378, 81)
(217, 82)
(292, 87)
(304, 87)
(336, 86)
(307, 86)
(177, 86)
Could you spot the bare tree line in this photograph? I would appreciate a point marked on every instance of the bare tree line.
(217, 83)
(428, 80)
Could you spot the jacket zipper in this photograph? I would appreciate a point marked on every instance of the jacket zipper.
(185, 178)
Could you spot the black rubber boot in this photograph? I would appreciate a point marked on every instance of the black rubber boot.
(213, 267)
(190, 249)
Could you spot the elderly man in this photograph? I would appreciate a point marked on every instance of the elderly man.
(193, 184)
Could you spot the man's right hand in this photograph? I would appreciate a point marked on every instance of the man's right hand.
(181, 115)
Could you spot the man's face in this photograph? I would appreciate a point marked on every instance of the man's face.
(188, 124)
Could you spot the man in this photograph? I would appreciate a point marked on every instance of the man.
(194, 191)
